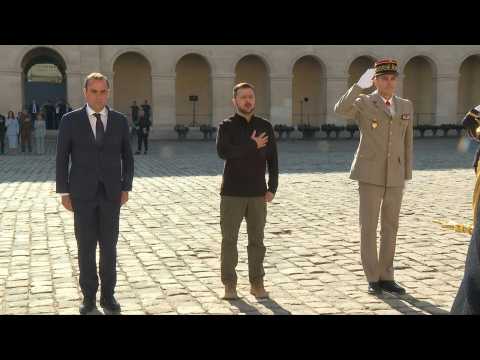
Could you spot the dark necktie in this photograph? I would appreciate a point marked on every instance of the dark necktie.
(100, 131)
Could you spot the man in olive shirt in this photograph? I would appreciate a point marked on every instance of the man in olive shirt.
(247, 144)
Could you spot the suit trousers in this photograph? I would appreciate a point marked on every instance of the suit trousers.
(388, 200)
(97, 221)
(233, 210)
(142, 138)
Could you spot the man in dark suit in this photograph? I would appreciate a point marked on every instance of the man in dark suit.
(33, 110)
(135, 110)
(143, 125)
(97, 140)
(49, 110)
(147, 109)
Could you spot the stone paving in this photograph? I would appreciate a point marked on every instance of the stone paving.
(169, 245)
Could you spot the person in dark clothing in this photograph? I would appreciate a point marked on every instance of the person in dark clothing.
(147, 109)
(95, 141)
(135, 110)
(49, 111)
(467, 301)
(33, 110)
(247, 144)
(143, 129)
(26, 131)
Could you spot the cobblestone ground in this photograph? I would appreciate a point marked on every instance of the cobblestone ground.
(169, 246)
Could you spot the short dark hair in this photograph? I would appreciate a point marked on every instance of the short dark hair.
(95, 76)
(243, 85)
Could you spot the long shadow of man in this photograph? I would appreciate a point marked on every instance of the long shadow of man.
(406, 304)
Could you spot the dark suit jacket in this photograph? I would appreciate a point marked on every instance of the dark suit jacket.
(144, 123)
(112, 164)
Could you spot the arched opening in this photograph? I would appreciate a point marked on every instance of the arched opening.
(308, 92)
(252, 69)
(357, 69)
(193, 91)
(468, 87)
(132, 82)
(45, 84)
(419, 87)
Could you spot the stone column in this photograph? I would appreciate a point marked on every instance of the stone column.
(281, 99)
(222, 93)
(400, 81)
(446, 99)
(109, 76)
(336, 86)
(163, 106)
(13, 98)
(75, 89)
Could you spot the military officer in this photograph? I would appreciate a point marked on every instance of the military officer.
(382, 164)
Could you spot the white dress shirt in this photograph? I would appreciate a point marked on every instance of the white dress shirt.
(93, 123)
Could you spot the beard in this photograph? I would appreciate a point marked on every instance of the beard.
(246, 110)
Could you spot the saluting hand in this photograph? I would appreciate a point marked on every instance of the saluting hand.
(366, 80)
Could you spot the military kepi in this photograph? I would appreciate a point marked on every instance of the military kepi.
(386, 66)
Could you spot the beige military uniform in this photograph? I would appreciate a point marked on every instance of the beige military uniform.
(382, 163)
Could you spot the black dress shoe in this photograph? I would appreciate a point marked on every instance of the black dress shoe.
(110, 304)
(374, 288)
(392, 286)
(138, 153)
(87, 306)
